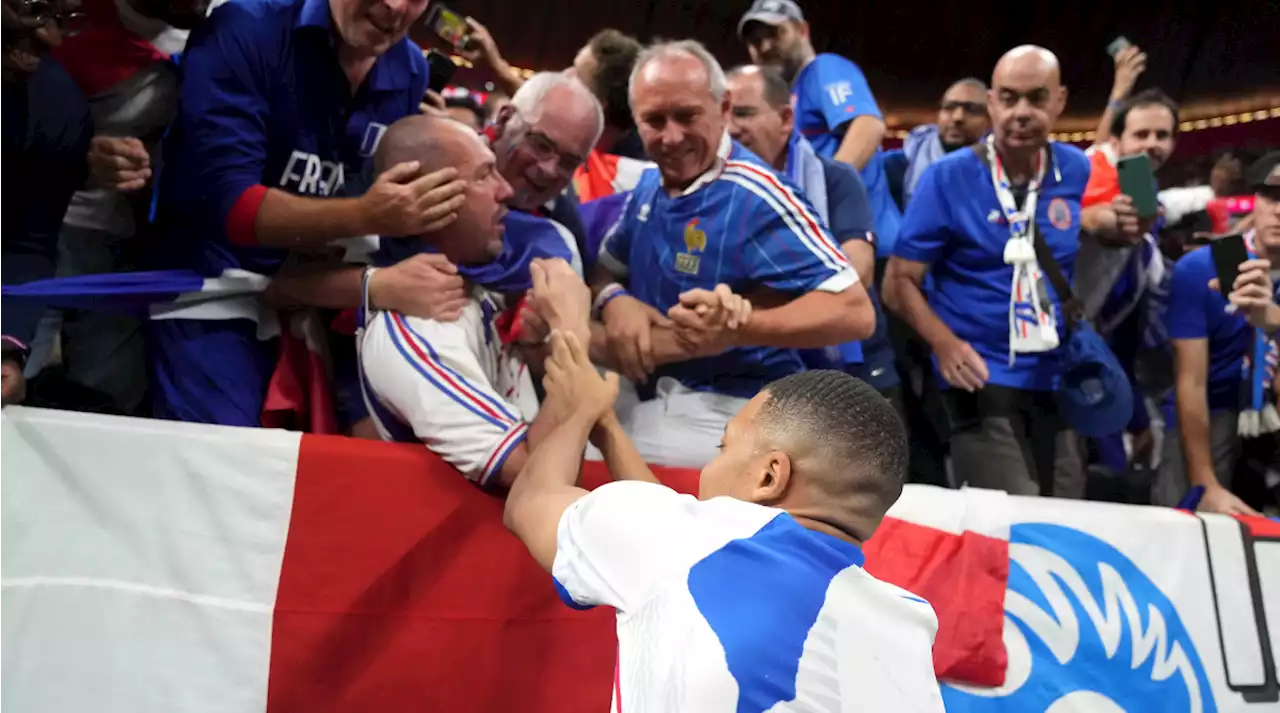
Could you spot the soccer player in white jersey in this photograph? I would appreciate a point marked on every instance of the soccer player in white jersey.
(464, 388)
(751, 597)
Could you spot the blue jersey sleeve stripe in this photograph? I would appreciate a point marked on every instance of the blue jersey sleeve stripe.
(431, 373)
(825, 257)
(509, 443)
(790, 203)
(465, 388)
(568, 599)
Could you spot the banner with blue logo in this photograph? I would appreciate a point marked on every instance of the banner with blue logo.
(1114, 608)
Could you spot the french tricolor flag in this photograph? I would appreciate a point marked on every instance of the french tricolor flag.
(156, 566)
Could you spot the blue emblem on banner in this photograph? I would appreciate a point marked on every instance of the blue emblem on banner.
(1087, 630)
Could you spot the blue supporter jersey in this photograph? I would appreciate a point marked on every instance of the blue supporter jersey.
(1198, 312)
(954, 223)
(741, 224)
(265, 103)
(827, 94)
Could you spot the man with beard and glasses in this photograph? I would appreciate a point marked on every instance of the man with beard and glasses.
(47, 129)
(834, 107)
(711, 223)
(283, 103)
(123, 63)
(992, 319)
(962, 120)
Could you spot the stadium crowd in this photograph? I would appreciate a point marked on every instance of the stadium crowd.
(267, 214)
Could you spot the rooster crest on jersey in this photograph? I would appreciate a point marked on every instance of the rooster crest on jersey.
(695, 241)
(1074, 605)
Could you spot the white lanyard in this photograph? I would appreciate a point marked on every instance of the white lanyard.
(1021, 223)
(1032, 327)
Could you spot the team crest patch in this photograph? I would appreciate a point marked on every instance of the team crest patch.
(695, 241)
(1059, 214)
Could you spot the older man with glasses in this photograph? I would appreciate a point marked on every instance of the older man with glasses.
(540, 138)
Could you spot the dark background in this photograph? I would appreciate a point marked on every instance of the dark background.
(911, 50)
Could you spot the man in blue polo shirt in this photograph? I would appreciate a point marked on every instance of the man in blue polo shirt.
(283, 103)
(992, 319)
(711, 216)
(1215, 349)
(834, 107)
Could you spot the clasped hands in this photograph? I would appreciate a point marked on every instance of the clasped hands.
(702, 323)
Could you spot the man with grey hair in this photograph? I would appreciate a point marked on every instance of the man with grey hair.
(710, 224)
(540, 139)
(545, 133)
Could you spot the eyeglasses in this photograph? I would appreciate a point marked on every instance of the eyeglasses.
(544, 148)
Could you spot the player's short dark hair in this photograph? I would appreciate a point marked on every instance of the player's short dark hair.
(469, 103)
(858, 429)
(1144, 98)
(615, 54)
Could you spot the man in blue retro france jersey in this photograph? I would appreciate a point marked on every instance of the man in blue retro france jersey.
(752, 596)
(711, 217)
(992, 319)
(283, 103)
(834, 107)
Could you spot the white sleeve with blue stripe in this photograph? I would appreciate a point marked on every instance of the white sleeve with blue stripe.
(429, 375)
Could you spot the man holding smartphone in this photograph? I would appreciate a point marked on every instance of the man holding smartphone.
(1216, 339)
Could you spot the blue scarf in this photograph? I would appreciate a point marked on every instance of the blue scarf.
(922, 147)
(527, 237)
(805, 170)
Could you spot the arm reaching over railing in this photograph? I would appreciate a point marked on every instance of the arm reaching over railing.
(545, 488)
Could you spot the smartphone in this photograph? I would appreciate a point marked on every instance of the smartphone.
(441, 70)
(1228, 252)
(1139, 183)
(450, 27)
(1118, 45)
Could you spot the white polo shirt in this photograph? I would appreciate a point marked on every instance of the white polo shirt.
(453, 386)
(727, 607)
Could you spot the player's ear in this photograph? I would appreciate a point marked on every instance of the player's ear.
(773, 477)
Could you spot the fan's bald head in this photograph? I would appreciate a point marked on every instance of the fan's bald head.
(433, 141)
(1028, 61)
(1025, 99)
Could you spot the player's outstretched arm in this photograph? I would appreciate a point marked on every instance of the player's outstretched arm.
(545, 488)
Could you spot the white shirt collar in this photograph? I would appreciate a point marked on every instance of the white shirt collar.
(722, 156)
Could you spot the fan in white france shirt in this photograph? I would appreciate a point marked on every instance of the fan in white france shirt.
(752, 597)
